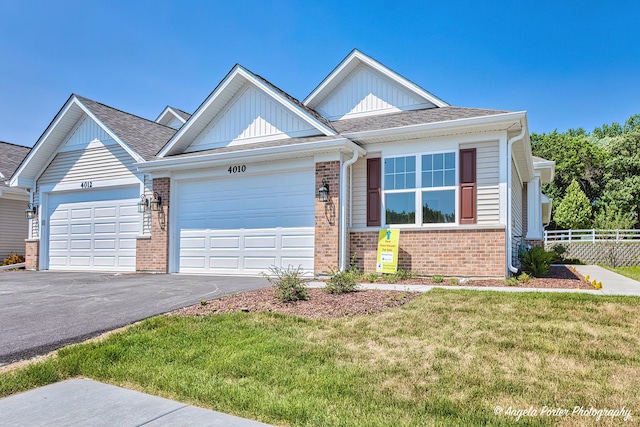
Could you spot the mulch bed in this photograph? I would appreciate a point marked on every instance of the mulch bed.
(326, 306)
(559, 277)
(320, 305)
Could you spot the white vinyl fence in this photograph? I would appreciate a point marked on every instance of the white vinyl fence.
(617, 248)
(569, 236)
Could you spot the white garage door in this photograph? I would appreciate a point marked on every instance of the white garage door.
(94, 230)
(246, 224)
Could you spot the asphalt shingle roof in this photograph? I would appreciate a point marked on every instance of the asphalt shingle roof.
(144, 136)
(412, 117)
(11, 156)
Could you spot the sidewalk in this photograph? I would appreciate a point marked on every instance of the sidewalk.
(83, 402)
(612, 284)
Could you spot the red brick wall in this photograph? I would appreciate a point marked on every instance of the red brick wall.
(152, 254)
(534, 243)
(447, 252)
(327, 231)
(32, 254)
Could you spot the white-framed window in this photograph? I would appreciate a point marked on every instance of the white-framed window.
(420, 189)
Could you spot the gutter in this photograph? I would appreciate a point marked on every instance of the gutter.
(343, 209)
(518, 137)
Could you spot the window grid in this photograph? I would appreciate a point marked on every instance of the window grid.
(442, 164)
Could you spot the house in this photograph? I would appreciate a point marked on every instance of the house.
(234, 187)
(13, 202)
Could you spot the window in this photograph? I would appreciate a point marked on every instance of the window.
(426, 197)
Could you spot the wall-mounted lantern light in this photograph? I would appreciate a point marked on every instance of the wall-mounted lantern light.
(323, 191)
(156, 202)
(31, 211)
(143, 204)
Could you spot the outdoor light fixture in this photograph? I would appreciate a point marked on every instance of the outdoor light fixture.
(156, 202)
(31, 211)
(323, 192)
(143, 204)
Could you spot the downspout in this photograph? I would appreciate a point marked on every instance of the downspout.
(343, 210)
(509, 200)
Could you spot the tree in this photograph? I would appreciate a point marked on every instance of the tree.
(574, 211)
(612, 217)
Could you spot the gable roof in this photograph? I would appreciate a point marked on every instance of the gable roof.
(141, 138)
(172, 112)
(11, 155)
(144, 136)
(357, 59)
(219, 99)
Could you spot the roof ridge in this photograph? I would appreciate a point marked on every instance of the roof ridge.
(120, 111)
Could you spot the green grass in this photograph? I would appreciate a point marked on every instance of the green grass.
(447, 358)
(630, 272)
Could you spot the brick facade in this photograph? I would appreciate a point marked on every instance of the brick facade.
(32, 254)
(464, 252)
(327, 229)
(152, 253)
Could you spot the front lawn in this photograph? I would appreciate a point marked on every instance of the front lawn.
(446, 358)
(630, 272)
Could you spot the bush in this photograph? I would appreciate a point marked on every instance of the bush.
(536, 261)
(342, 282)
(512, 281)
(524, 278)
(437, 278)
(372, 277)
(13, 259)
(454, 281)
(288, 283)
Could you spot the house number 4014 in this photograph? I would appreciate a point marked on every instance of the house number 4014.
(237, 169)
(86, 184)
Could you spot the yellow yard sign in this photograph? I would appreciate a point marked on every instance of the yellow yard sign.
(388, 251)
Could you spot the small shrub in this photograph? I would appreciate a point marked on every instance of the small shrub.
(342, 282)
(403, 275)
(13, 259)
(372, 277)
(524, 278)
(512, 281)
(390, 278)
(203, 302)
(288, 283)
(437, 278)
(454, 281)
(536, 261)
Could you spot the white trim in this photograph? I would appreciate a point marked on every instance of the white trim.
(238, 70)
(169, 110)
(249, 155)
(318, 94)
(96, 185)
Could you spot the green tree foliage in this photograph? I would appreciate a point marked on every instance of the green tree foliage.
(606, 165)
(574, 211)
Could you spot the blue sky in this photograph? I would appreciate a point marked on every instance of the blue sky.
(568, 63)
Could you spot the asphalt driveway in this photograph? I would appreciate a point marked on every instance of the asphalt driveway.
(41, 311)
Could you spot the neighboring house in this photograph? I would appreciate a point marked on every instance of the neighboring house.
(235, 189)
(13, 202)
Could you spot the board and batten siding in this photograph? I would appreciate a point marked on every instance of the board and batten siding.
(250, 115)
(487, 181)
(13, 227)
(365, 91)
(93, 164)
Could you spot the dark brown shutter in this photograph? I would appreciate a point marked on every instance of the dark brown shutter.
(468, 186)
(374, 202)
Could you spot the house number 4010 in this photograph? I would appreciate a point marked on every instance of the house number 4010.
(237, 169)
(86, 184)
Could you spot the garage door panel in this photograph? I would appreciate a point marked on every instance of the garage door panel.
(229, 263)
(248, 222)
(295, 262)
(193, 243)
(193, 262)
(87, 231)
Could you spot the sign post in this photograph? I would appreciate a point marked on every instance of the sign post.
(388, 251)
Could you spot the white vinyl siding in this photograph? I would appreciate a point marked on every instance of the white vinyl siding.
(246, 224)
(86, 165)
(250, 116)
(359, 191)
(487, 181)
(366, 91)
(13, 227)
(516, 209)
(85, 131)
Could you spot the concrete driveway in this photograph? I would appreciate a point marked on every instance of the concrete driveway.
(42, 310)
